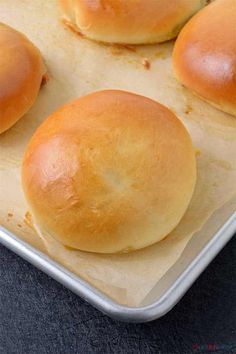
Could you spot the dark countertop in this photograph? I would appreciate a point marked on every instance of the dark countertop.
(40, 316)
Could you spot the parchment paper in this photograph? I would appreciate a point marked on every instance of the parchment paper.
(76, 67)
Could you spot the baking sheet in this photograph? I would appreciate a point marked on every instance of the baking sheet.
(76, 67)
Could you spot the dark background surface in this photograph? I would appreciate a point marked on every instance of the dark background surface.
(39, 316)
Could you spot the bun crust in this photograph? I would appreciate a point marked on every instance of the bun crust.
(130, 21)
(21, 71)
(109, 172)
(205, 55)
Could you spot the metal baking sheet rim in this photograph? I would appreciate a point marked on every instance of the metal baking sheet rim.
(106, 305)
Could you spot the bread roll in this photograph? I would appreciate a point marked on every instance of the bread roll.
(130, 21)
(21, 71)
(205, 55)
(109, 172)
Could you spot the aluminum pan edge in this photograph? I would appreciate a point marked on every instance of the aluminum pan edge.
(105, 304)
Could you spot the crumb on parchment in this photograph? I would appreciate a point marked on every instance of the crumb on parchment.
(45, 79)
(188, 109)
(197, 152)
(28, 219)
(146, 63)
(69, 26)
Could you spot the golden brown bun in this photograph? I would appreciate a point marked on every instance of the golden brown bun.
(205, 55)
(21, 71)
(130, 21)
(109, 172)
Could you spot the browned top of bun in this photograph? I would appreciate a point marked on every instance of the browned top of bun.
(109, 172)
(132, 21)
(21, 71)
(205, 55)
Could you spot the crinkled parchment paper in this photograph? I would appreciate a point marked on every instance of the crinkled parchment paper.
(76, 67)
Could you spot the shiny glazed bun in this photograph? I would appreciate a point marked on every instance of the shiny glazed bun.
(130, 21)
(205, 55)
(21, 72)
(109, 172)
